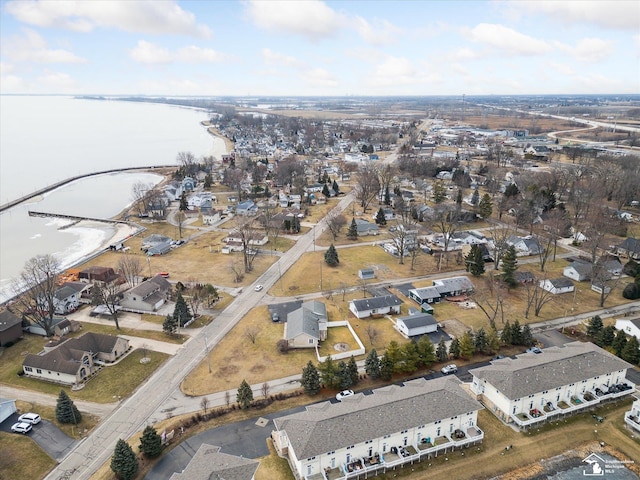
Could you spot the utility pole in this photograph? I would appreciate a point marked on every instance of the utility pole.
(206, 352)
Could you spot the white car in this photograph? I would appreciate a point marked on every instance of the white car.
(446, 370)
(21, 427)
(344, 394)
(32, 418)
(258, 288)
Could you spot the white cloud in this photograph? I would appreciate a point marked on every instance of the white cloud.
(588, 49)
(279, 59)
(610, 14)
(380, 33)
(31, 47)
(144, 16)
(147, 52)
(463, 53)
(56, 82)
(312, 19)
(398, 71)
(562, 68)
(319, 77)
(507, 40)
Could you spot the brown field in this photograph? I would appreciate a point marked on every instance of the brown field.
(22, 458)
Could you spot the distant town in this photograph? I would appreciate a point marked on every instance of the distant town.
(410, 287)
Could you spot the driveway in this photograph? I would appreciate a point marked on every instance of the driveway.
(49, 437)
(552, 338)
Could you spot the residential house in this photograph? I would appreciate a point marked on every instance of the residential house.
(611, 264)
(524, 245)
(148, 296)
(66, 299)
(100, 275)
(375, 306)
(416, 325)
(256, 238)
(65, 327)
(159, 249)
(36, 329)
(534, 388)
(209, 463)
(306, 327)
(153, 240)
(469, 238)
(578, 271)
(7, 408)
(630, 248)
(537, 150)
(454, 286)
(84, 289)
(630, 326)
(246, 208)
(73, 360)
(366, 228)
(10, 328)
(389, 214)
(557, 285)
(366, 433)
(211, 216)
(188, 184)
(600, 287)
(425, 295)
(631, 418)
(524, 276)
(173, 191)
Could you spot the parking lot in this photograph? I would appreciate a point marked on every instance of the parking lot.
(48, 436)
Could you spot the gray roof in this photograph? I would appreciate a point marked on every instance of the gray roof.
(419, 320)
(532, 373)
(561, 282)
(305, 320)
(631, 245)
(583, 268)
(8, 320)
(363, 225)
(426, 292)
(376, 302)
(210, 464)
(324, 427)
(65, 292)
(453, 284)
(150, 286)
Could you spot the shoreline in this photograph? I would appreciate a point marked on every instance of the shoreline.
(229, 145)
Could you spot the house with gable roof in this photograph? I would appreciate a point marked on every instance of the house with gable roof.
(306, 326)
(148, 296)
(209, 463)
(632, 417)
(557, 285)
(630, 248)
(454, 286)
(10, 328)
(375, 306)
(630, 326)
(533, 388)
(416, 325)
(578, 271)
(73, 360)
(364, 434)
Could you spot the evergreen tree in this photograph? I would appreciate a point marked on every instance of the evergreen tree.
(124, 462)
(607, 336)
(329, 373)
(516, 333)
(409, 357)
(481, 341)
(619, 342)
(426, 351)
(208, 180)
(467, 347)
(184, 206)
(245, 395)
(505, 336)
(475, 198)
(387, 196)
(485, 207)
(630, 352)
(335, 187)
(66, 411)
(441, 351)
(509, 266)
(595, 326)
(169, 325)
(310, 379)
(331, 256)
(459, 199)
(352, 370)
(352, 233)
(372, 365)
(454, 348)
(475, 261)
(439, 192)
(325, 191)
(325, 178)
(511, 190)
(181, 313)
(394, 355)
(343, 376)
(380, 218)
(150, 442)
(493, 341)
(295, 224)
(527, 336)
(386, 368)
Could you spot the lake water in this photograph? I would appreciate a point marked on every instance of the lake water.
(47, 139)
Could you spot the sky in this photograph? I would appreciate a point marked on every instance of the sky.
(319, 48)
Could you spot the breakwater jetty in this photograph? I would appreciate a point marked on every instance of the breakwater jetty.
(59, 184)
(75, 218)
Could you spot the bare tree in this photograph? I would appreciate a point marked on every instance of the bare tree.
(544, 249)
(188, 163)
(251, 334)
(139, 195)
(204, 404)
(386, 174)
(108, 294)
(373, 333)
(180, 219)
(247, 231)
(342, 288)
(227, 398)
(236, 268)
(335, 223)
(490, 299)
(367, 186)
(363, 286)
(500, 233)
(265, 390)
(35, 290)
(271, 226)
(130, 267)
(537, 297)
(446, 222)
(194, 295)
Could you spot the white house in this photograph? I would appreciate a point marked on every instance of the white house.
(557, 285)
(632, 417)
(7, 408)
(375, 306)
(524, 245)
(578, 271)
(630, 326)
(415, 325)
(66, 299)
(306, 327)
(366, 228)
(209, 463)
(148, 296)
(533, 388)
(366, 433)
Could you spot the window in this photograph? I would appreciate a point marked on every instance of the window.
(28, 369)
(404, 431)
(311, 341)
(38, 370)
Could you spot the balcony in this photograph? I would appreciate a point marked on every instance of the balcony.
(633, 421)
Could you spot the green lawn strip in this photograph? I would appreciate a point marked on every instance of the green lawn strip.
(133, 332)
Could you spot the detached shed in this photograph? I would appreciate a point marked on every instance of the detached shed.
(366, 273)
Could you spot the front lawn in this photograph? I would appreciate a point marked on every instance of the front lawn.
(22, 458)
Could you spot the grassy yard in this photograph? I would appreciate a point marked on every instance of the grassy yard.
(150, 334)
(49, 413)
(22, 458)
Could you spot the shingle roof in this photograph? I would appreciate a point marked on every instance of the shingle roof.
(557, 366)
(8, 320)
(561, 282)
(583, 268)
(65, 292)
(631, 245)
(210, 464)
(453, 284)
(305, 320)
(325, 426)
(376, 302)
(150, 286)
(420, 320)
(426, 292)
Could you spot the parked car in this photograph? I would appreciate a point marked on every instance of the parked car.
(32, 418)
(164, 274)
(21, 427)
(498, 357)
(275, 317)
(534, 350)
(344, 394)
(446, 370)
(258, 288)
